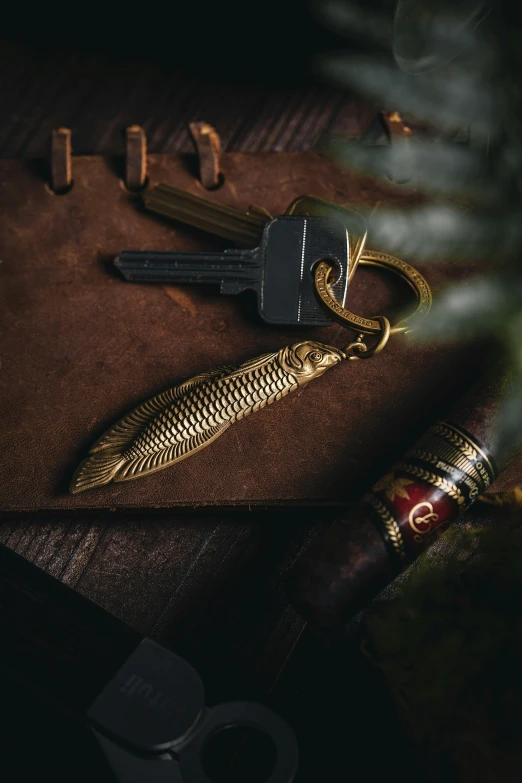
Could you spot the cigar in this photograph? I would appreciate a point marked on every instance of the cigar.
(438, 479)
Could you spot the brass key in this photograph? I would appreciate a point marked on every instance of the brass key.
(245, 230)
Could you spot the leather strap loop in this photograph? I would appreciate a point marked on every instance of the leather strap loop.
(135, 158)
(208, 149)
(61, 167)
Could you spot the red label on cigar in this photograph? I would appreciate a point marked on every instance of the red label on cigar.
(445, 472)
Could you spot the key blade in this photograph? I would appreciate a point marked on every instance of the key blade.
(291, 248)
(238, 269)
(245, 230)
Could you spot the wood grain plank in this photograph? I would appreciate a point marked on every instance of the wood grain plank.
(97, 96)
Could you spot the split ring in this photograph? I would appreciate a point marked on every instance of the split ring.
(362, 325)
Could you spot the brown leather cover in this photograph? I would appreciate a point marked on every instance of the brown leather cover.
(80, 346)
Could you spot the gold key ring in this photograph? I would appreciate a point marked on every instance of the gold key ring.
(374, 326)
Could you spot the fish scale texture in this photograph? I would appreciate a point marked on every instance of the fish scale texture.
(212, 404)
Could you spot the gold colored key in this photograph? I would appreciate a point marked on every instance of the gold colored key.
(246, 229)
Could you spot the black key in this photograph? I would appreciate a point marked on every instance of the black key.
(279, 270)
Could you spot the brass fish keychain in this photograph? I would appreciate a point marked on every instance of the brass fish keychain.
(185, 419)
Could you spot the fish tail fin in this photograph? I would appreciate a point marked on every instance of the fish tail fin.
(96, 470)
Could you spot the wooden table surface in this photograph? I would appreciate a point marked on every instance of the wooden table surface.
(98, 96)
(208, 585)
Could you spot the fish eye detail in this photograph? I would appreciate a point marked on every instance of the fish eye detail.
(316, 356)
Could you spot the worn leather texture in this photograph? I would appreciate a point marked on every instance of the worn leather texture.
(80, 347)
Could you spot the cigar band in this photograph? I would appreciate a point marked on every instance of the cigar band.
(446, 471)
(450, 459)
(390, 526)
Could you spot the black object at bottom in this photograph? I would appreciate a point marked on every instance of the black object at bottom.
(151, 723)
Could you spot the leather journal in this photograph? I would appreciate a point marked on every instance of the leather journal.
(80, 347)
